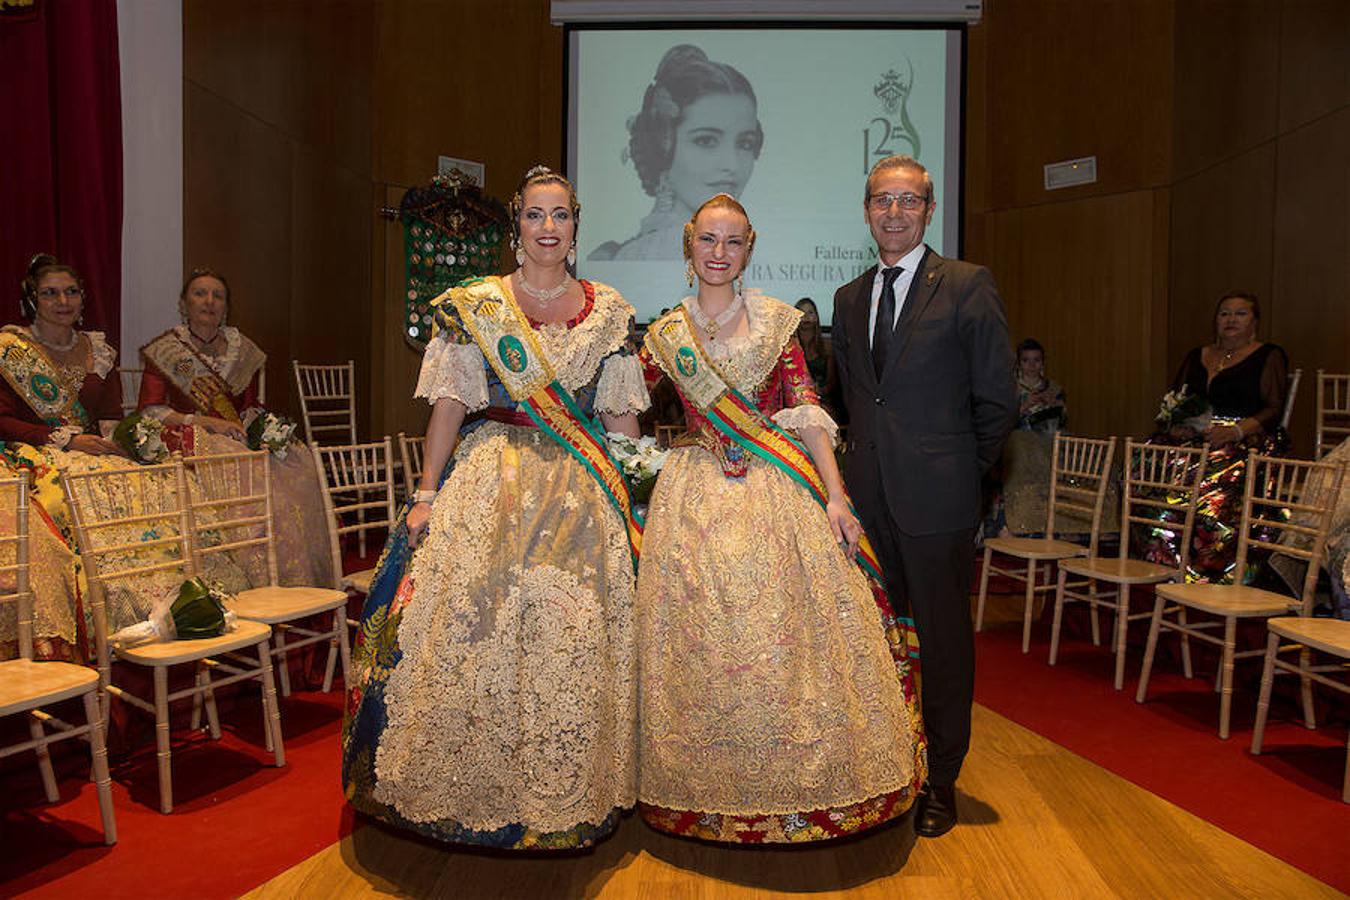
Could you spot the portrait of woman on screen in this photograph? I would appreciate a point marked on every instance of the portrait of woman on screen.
(697, 134)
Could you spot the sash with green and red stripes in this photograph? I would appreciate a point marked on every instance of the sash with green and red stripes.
(674, 344)
(492, 317)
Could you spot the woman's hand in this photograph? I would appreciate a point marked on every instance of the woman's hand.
(417, 522)
(94, 445)
(847, 532)
(217, 425)
(1223, 435)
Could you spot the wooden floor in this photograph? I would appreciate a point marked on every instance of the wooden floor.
(1037, 821)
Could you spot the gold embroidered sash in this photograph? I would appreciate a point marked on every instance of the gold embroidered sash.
(39, 381)
(179, 363)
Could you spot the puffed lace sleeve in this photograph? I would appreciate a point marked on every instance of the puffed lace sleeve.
(795, 418)
(453, 370)
(622, 388)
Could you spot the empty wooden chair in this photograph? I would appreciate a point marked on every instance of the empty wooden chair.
(327, 402)
(1333, 412)
(1276, 502)
(231, 512)
(1161, 487)
(1290, 395)
(132, 525)
(410, 450)
(1079, 472)
(349, 475)
(26, 685)
(666, 434)
(1305, 636)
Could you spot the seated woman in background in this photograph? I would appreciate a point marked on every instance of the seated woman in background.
(1244, 382)
(201, 379)
(59, 393)
(819, 356)
(1019, 506)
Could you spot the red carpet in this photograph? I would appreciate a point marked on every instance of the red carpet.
(1286, 801)
(237, 821)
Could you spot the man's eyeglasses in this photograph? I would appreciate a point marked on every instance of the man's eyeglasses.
(882, 201)
(72, 292)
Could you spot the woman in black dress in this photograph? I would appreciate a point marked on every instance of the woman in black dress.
(1244, 381)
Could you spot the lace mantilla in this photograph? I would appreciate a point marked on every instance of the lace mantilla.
(102, 353)
(575, 353)
(226, 363)
(749, 359)
(795, 418)
(455, 371)
(622, 389)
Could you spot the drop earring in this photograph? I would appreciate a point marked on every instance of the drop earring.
(740, 283)
(689, 272)
(572, 254)
(665, 196)
(520, 252)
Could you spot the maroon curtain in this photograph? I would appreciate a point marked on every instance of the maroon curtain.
(61, 168)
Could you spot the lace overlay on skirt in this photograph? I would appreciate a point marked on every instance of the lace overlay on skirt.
(767, 686)
(514, 700)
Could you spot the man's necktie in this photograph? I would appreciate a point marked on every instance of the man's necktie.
(884, 331)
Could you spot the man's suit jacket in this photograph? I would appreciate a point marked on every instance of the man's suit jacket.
(922, 435)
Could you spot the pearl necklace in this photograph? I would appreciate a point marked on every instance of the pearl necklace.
(712, 325)
(545, 296)
(51, 345)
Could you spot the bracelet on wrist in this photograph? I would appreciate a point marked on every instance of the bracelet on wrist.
(423, 496)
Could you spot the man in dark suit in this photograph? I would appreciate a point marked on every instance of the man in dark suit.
(924, 360)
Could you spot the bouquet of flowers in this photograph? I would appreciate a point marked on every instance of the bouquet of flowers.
(641, 461)
(142, 437)
(1181, 407)
(195, 610)
(271, 432)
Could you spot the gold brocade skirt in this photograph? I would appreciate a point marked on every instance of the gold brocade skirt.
(766, 684)
(513, 702)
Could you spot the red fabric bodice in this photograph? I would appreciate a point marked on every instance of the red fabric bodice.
(157, 391)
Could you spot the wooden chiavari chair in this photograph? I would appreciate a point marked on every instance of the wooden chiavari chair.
(133, 526)
(349, 474)
(231, 513)
(1159, 480)
(1333, 412)
(26, 685)
(1079, 473)
(327, 401)
(410, 451)
(1277, 502)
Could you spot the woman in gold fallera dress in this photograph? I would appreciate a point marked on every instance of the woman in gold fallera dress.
(777, 697)
(495, 697)
(59, 392)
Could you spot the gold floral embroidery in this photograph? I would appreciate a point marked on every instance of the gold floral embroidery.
(515, 697)
(766, 684)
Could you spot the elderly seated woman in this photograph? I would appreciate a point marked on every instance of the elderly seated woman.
(201, 380)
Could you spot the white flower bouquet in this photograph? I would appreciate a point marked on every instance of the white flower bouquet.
(1181, 407)
(269, 431)
(142, 437)
(641, 461)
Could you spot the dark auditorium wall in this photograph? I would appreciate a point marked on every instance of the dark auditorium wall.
(278, 195)
(1221, 129)
(1261, 191)
(474, 80)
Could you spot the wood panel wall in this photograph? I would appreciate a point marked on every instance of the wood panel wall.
(1221, 129)
(277, 110)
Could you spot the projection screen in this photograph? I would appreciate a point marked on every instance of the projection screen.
(823, 105)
